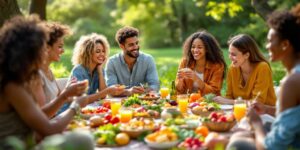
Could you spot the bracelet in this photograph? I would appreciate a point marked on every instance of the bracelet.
(76, 107)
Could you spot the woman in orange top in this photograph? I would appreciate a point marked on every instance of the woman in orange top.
(202, 67)
(249, 75)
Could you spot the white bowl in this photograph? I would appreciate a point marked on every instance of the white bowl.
(164, 145)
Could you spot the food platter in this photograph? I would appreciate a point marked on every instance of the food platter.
(148, 98)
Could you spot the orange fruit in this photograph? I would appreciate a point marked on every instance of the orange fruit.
(122, 139)
(194, 97)
(202, 130)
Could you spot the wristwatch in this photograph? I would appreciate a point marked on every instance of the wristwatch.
(76, 107)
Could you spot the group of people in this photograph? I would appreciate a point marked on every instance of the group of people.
(33, 106)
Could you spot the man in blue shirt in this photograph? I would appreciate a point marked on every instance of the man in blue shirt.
(131, 67)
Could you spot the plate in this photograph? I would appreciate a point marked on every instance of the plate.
(226, 107)
(164, 145)
(148, 98)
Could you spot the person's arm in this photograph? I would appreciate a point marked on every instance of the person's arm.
(263, 109)
(113, 90)
(179, 82)
(152, 75)
(32, 115)
(102, 84)
(290, 96)
(256, 123)
(75, 89)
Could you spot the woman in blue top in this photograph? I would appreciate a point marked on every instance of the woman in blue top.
(283, 45)
(90, 53)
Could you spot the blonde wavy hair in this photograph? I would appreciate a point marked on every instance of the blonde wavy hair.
(84, 48)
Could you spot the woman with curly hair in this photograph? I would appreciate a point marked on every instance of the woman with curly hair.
(202, 67)
(22, 52)
(90, 54)
(54, 97)
(283, 45)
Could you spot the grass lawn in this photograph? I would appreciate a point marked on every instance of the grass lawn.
(167, 61)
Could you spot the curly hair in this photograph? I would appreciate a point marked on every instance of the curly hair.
(126, 32)
(213, 53)
(84, 48)
(22, 44)
(287, 26)
(56, 31)
(245, 44)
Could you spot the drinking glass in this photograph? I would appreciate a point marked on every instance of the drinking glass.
(125, 115)
(115, 105)
(239, 109)
(182, 103)
(164, 92)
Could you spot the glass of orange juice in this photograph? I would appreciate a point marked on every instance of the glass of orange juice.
(164, 92)
(115, 105)
(125, 115)
(182, 101)
(239, 109)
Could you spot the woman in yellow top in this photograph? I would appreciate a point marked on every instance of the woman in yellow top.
(249, 75)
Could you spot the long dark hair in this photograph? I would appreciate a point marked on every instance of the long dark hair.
(21, 49)
(245, 44)
(213, 53)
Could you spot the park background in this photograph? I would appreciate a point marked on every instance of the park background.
(163, 24)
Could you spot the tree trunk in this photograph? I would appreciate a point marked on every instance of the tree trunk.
(38, 7)
(8, 9)
(262, 8)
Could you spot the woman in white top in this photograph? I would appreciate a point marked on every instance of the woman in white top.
(54, 97)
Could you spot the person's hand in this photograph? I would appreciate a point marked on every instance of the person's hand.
(221, 100)
(190, 74)
(82, 100)
(75, 89)
(73, 80)
(253, 117)
(259, 107)
(137, 90)
(180, 75)
(116, 90)
(215, 141)
(100, 68)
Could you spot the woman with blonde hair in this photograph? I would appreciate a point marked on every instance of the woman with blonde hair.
(249, 75)
(90, 54)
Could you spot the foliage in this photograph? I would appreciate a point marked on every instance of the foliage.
(84, 17)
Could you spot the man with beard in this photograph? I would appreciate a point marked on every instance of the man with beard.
(130, 67)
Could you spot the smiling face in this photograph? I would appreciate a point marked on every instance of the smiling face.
(274, 46)
(131, 47)
(198, 49)
(237, 57)
(55, 51)
(99, 54)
